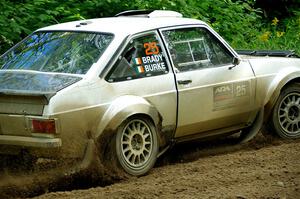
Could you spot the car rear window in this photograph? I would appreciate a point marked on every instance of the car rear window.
(61, 52)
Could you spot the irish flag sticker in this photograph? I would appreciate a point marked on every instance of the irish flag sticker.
(138, 61)
(140, 69)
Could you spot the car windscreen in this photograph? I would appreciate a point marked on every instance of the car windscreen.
(59, 52)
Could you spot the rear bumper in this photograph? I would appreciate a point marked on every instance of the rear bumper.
(30, 141)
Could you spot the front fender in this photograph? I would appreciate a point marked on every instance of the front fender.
(122, 108)
(282, 78)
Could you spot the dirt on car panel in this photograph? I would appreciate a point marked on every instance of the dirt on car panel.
(30, 184)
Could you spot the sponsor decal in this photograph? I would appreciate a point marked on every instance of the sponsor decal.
(230, 95)
(223, 92)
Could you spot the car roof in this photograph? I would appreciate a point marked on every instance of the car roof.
(125, 24)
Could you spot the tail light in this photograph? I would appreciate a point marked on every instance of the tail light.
(43, 126)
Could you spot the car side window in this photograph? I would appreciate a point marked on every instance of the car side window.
(195, 48)
(143, 57)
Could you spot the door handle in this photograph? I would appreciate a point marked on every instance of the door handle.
(188, 81)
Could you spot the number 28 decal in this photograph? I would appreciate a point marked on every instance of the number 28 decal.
(151, 48)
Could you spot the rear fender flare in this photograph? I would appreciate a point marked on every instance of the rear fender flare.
(123, 108)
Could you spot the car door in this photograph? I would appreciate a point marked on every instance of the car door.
(213, 94)
(143, 70)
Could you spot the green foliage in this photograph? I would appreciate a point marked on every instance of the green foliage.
(277, 35)
(237, 21)
(20, 18)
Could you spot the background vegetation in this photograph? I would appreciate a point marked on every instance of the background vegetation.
(245, 24)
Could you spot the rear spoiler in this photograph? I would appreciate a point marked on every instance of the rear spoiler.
(270, 53)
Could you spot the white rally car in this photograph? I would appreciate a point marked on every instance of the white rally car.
(125, 88)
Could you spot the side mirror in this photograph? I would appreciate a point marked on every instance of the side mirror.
(236, 61)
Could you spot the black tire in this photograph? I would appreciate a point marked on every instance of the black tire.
(137, 145)
(285, 119)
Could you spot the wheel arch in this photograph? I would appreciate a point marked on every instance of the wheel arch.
(279, 83)
(126, 107)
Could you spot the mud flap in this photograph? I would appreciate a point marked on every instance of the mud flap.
(251, 132)
(89, 159)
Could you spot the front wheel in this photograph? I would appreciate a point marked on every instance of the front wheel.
(137, 145)
(286, 113)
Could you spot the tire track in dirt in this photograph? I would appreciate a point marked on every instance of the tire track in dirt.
(264, 167)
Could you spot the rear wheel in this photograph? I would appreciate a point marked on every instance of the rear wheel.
(286, 113)
(137, 145)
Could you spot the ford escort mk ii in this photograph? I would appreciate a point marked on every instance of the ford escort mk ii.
(130, 86)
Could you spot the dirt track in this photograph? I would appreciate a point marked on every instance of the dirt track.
(263, 168)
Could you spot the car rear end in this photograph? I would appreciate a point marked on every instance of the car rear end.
(37, 78)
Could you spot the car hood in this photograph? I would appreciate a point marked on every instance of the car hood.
(34, 83)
